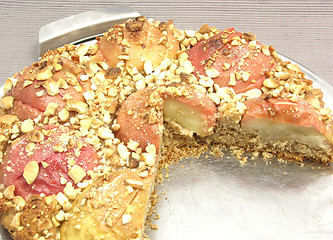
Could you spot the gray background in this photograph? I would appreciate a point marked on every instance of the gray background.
(301, 30)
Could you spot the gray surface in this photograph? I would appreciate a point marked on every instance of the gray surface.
(215, 198)
(222, 198)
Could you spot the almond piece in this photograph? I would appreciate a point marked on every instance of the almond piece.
(27, 126)
(134, 183)
(212, 72)
(63, 115)
(76, 106)
(43, 74)
(51, 108)
(9, 192)
(36, 137)
(77, 173)
(270, 83)
(7, 102)
(31, 171)
(51, 87)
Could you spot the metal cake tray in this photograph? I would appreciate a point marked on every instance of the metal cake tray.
(219, 198)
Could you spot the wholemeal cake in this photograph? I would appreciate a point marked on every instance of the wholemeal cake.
(83, 130)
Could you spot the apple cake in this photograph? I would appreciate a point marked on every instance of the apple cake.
(83, 129)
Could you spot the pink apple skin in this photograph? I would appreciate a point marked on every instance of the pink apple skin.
(221, 51)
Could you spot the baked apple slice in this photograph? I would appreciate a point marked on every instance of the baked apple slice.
(190, 108)
(277, 118)
(43, 160)
(49, 81)
(240, 61)
(138, 41)
(111, 208)
(140, 117)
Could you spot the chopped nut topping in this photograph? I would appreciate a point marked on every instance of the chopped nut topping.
(44, 74)
(76, 106)
(27, 126)
(8, 85)
(212, 72)
(140, 84)
(134, 183)
(232, 81)
(63, 115)
(148, 67)
(77, 173)
(30, 147)
(133, 26)
(132, 145)
(270, 83)
(51, 87)
(31, 171)
(9, 192)
(36, 136)
(123, 151)
(253, 93)
(45, 164)
(63, 201)
(51, 108)
(148, 158)
(245, 76)
(282, 75)
(58, 148)
(82, 50)
(214, 97)
(60, 216)
(123, 57)
(126, 218)
(7, 102)
(19, 203)
(206, 81)
(8, 119)
(249, 36)
(113, 73)
(293, 67)
(315, 103)
(151, 149)
(265, 50)
(204, 29)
